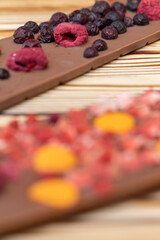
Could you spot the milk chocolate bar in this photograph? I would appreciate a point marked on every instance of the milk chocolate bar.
(68, 63)
(57, 165)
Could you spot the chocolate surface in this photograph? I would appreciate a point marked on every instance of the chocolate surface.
(67, 63)
(18, 212)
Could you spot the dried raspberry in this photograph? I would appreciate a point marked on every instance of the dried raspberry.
(30, 43)
(58, 18)
(54, 118)
(150, 8)
(128, 21)
(27, 59)
(109, 33)
(112, 16)
(32, 26)
(70, 35)
(141, 19)
(120, 26)
(100, 45)
(90, 52)
(22, 34)
(101, 7)
(92, 29)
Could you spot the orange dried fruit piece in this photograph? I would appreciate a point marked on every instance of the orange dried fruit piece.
(56, 193)
(53, 159)
(115, 122)
(158, 146)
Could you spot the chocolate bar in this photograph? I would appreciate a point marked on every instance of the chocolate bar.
(78, 161)
(68, 63)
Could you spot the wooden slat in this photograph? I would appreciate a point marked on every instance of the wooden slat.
(134, 73)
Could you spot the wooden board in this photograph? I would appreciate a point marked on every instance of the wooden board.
(138, 219)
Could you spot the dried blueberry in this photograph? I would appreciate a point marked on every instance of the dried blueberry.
(92, 29)
(4, 74)
(132, 5)
(128, 21)
(22, 34)
(72, 14)
(43, 25)
(85, 10)
(100, 45)
(119, 7)
(33, 26)
(31, 43)
(90, 52)
(109, 33)
(58, 18)
(101, 7)
(93, 16)
(112, 16)
(141, 19)
(46, 35)
(80, 18)
(120, 26)
(100, 22)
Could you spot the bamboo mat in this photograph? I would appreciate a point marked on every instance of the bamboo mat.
(137, 219)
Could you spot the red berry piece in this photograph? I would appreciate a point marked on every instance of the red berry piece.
(27, 60)
(92, 29)
(101, 7)
(90, 52)
(120, 26)
(30, 43)
(32, 26)
(141, 19)
(54, 118)
(100, 45)
(4, 74)
(119, 7)
(70, 35)
(150, 8)
(128, 21)
(112, 16)
(58, 18)
(109, 33)
(22, 34)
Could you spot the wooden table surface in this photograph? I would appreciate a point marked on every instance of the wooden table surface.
(137, 219)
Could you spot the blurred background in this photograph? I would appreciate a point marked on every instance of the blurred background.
(137, 219)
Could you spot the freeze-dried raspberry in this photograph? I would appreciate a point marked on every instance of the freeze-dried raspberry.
(30, 43)
(58, 18)
(27, 60)
(70, 35)
(22, 34)
(33, 26)
(150, 8)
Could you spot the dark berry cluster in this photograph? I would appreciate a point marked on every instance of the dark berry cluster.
(97, 46)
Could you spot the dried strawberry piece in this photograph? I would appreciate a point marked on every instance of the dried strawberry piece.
(70, 35)
(27, 60)
(151, 8)
(79, 119)
(150, 128)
